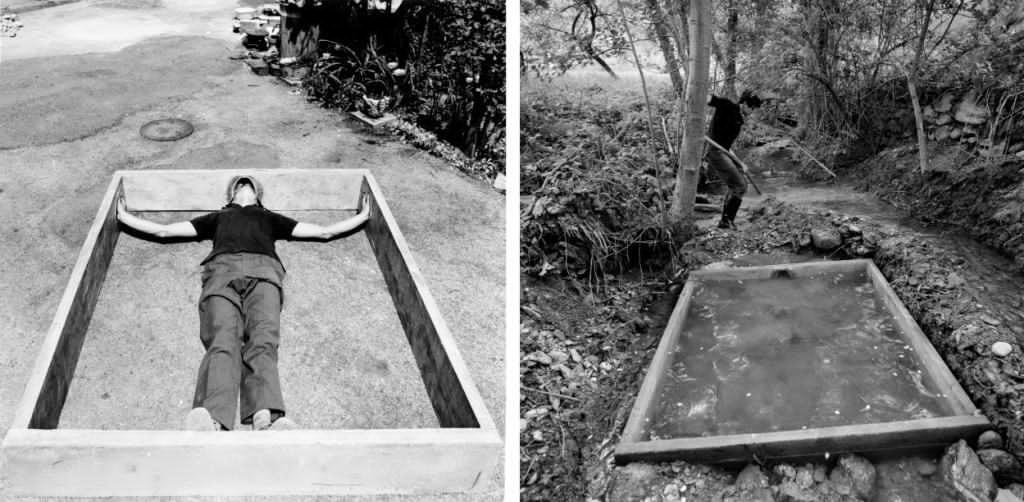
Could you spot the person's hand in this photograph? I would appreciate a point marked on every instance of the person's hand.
(122, 207)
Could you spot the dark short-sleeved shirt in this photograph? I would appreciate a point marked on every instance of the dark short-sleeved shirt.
(726, 122)
(248, 229)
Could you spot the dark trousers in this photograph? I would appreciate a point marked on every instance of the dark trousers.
(239, 325)
(732, 175)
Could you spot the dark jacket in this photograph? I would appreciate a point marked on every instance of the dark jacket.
(726, 122)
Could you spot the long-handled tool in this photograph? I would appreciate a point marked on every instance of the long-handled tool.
(736, 160)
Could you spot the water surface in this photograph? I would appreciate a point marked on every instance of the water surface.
(789, 354)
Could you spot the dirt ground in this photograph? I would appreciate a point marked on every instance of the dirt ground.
(75, 93)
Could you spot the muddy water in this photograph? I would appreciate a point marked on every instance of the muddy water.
(790, 354)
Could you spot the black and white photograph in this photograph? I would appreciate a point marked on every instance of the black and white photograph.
(771, 250)
(253, 251)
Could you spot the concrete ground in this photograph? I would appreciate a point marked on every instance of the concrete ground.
(78, 82)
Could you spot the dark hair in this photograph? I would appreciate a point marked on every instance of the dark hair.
(750, 99)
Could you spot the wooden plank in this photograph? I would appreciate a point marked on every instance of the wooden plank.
(806, 269)
(54, 368)
(205, 189)
(929, 358)
(452, 392)
(643, 407)
(938, 432)
(90, 463)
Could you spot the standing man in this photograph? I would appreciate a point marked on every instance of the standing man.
(240, 304)
(725, 127)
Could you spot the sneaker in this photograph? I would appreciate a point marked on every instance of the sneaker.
(199, 420)
(284, 424)
(261, 420)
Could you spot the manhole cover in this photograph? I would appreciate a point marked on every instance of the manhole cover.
(166, 129)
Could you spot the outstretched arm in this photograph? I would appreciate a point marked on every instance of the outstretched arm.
(313, 231)
(179, 229)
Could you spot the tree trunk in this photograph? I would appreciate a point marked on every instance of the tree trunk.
(922, 140)
(661, 30)
(915, 72)
(685, 192)
(732, 24)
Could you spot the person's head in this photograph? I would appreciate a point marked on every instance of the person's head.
(244, 191)
(750, 100)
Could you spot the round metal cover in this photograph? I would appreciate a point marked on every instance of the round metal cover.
(166, 129)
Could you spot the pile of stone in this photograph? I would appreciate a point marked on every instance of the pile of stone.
(962, 472)
(966, 119)
(984, 474)
(9, 25)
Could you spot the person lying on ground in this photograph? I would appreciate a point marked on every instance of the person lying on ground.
(240, 304)
(725, 127)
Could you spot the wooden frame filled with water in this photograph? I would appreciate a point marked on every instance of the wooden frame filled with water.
(793, 361)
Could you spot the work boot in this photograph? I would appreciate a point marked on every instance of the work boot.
(726, 224)
(199, 420)
(729, 210)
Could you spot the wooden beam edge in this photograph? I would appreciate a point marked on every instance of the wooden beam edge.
(652, 380)
(939, 372)
(142, 184)
(128, 173)
(37, 378)
(805, 442)
(96, 438)
(444, 334)
(757, 271)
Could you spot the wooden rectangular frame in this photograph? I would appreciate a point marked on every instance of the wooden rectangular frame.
(41, 460)
(865, 439)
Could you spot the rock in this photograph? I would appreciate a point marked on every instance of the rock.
(943, 119)
(557, 356)
(671, 493)
(854, 475)
(804, 477)
(928, 113)
(1004, 466)
(1016, 489)
(820, 473)
(632, 482)
(1007, 496)
(826, 239)
(968, 111)
(755, 495)
(963, 470)
(954, 133)
(925, 467)
(804, 240)
(751, 477)
(942, 132)
(1002, 349)
(848, 230)
(945, 103)
(789, 491)
(499, 183)
(785, 471)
